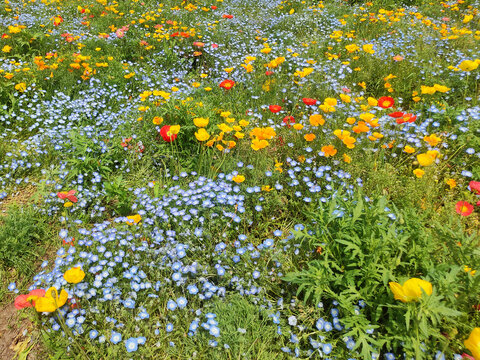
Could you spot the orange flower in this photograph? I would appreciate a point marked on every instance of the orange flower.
(316, 119)
(227, 84)
(329, 150)
(361, 127)
(310, 137)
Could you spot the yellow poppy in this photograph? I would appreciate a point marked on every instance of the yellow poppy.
(74, 275)
(202, 135)
(51, 301)
(411, 290)
(473, 343)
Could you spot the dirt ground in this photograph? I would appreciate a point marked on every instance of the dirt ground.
(16, 339)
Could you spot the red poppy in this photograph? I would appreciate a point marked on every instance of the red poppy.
(57, 20)
(468, 357)
(213, 7)
(166, 136)
(227, 16)
(268, 72)
(22, 300)
(227, 84)
(406, 118)
(275, 108)
(214, 46)
(463, 208)
(475, 186)
(68, 195)
(288, 120)
(386, 102)
(308, 101)
(396, 114)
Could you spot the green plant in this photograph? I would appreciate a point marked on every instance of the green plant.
(363, 246)
(21, 233)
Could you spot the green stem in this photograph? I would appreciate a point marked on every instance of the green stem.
(68, 332)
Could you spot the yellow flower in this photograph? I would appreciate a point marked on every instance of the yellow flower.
(202, 135)
(51, 301)
(441, 88)
(345, 98)
(225, 128)
(451, 182)
(467, 18)
(425, 159)
(174, 129)
(310, 137)
(428, 90)
(432, 140)
(347, 158)
(419, 173)
(74, 275)
(352, 48)
(68, 204)
(266, 188)
(372, 102)
(157, 120)
(469, 270)
(316, 119)
(468, 65)
(133, 219)
(200, 122)
(408, 149)
(351, 120)
(298, 126)
(368, 48)
(6, 49)
(259, 144)
(411, 290)
(473, 343)
(21, 87)
(238, 179)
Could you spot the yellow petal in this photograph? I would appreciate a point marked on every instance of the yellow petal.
(397, 291)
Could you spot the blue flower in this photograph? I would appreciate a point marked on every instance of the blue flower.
(182, 302)
(214, 331)
(171, 305)
(169, 327)
(131, 344)
(116, 337)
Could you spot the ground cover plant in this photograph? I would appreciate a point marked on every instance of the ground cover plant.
(241, 179)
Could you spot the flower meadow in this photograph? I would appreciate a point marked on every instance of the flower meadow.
(241, 179)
